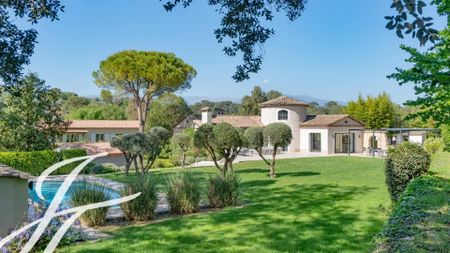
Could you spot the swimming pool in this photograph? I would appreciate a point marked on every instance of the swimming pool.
(49, 189)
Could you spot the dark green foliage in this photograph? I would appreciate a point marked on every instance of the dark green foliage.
(167, 111)
(445, 133)
(30, 116)
(98, 112)
(404, 163)
(31, 162)
(226, 107)
(243, 26)
(250, 105)
(430, 75)
(37, 161)
(182, 143)
(277, 135)
(183, 193)
(17, 45)
(143, 76)
(220, 141)
(144, 206)
(330, 107)
(254, 137)
(421, 216)
(420, 26)
(224, 191)
(90, 194)
(70, 153)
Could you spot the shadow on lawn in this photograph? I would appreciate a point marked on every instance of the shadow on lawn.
(293, 218)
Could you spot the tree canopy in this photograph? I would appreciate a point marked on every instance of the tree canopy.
(276, 135)
(251, 104)
(30, 119)
(376, 112)
(167, 111)
(17, 44)
(144, 75)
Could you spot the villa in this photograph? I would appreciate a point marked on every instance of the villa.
(319, 134)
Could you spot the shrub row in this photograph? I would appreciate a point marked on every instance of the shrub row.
(419, 222)
(36, 162)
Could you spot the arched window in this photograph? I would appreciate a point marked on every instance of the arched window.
(282, 115)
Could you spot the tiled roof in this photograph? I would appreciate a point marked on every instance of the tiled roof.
(327, 120)
(283, 101)
(87, 124)
(6, 171)
(236, 121)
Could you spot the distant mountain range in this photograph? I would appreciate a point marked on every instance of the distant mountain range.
(304, 98)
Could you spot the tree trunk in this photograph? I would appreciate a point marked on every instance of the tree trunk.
(272, 164)
(184, 160)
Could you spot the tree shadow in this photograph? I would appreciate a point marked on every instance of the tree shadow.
(298, 174)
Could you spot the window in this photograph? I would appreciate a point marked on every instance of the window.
(282, 115)
(373, 142)
(314, 142)
(99, 137)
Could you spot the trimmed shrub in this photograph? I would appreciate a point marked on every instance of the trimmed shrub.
(183, 193)
(404, 163)
(35, 162)
(445, 134)
(89, 194)
(67, 154)
(223, 191)
(433, 145)
(31, 162)
(143, 207)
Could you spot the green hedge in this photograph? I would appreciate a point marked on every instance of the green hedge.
(419, 222)
(37, 161)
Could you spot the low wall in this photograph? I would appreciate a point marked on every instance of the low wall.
(13, 203)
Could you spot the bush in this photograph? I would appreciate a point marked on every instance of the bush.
(223, 191)
(183, 193)
(143, 207)
(433, 145)
(89, 194)
(31, 162)
(163, 163)
(403, 163)
(445, 134)
(35, 162)
(67, 154)
(421, 216)
(103, 168)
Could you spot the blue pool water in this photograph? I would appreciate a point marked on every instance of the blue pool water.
(49, 189)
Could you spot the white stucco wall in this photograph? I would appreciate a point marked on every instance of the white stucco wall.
(296, 115)
(305, 141)
(109, 133)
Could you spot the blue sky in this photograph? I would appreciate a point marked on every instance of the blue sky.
(335, 50)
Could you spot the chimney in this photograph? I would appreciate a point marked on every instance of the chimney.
(206, 115)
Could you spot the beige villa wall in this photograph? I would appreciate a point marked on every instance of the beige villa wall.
(305, 142)
(13, 203)
(380, 136)
(296, 115)
(108, 132)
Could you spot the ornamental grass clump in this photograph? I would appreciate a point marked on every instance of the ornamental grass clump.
(223, 191)
(143, 207)
(183, 193)
(404, 163)
(88, 194)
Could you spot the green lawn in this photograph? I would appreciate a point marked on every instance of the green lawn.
(327, 204)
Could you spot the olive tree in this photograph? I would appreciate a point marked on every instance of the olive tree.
(144, 75)
(222, 141)
(142, 149)
(182, 142)
(277, 135)
(255, 140)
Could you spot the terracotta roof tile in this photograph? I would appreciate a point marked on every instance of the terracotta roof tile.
(283, 101)
(120, 124)
(327, 120)
(234, 120)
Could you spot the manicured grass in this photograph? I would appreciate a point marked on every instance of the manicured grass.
(327, 204)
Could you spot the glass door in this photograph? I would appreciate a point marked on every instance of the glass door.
(344, 143)
(314, 142)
